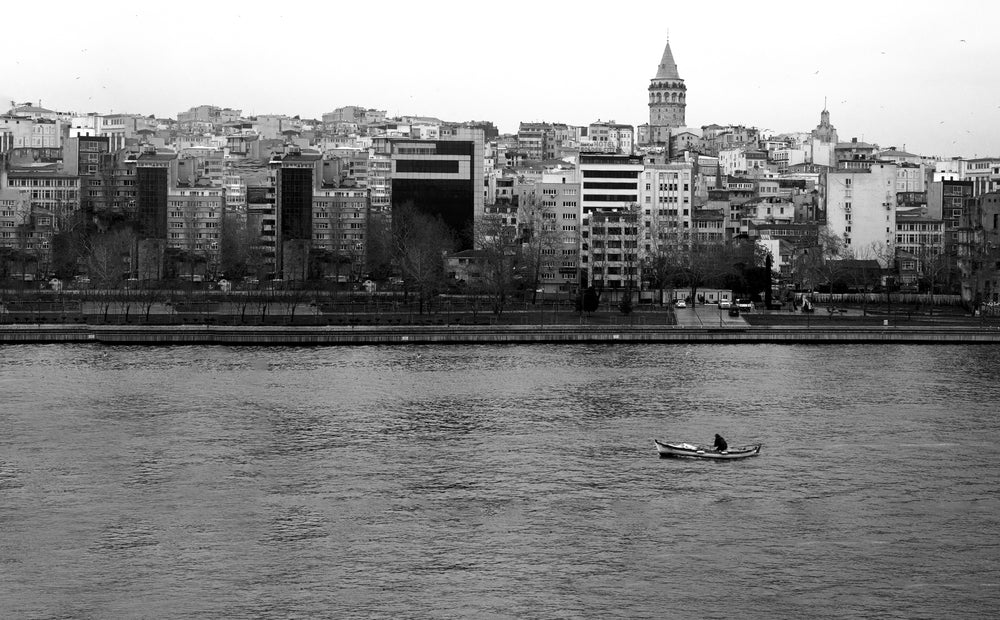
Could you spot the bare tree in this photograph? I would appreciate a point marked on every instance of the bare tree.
(665, 246)
(861, 269)
(108, 257)
(541, 240)
(421, 244)
(933, 269)
(821, 264)
(704, 263)
(379, 247)
(613, 251)
(501, 269)
(241, 252)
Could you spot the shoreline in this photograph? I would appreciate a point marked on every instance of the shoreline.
(170, 335)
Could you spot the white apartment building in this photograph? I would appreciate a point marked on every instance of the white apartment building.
(666, 196)
(743, 161)
(236, 193)
(785, 157)
(911, 178)
(984, 174)
(558, 196)
(380, 181)
(861, 209)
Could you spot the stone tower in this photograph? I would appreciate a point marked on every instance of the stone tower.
(825, 131)
(667, 99)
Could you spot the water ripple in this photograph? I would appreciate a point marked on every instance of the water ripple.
(497, 481)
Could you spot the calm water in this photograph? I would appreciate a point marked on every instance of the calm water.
(457, 482)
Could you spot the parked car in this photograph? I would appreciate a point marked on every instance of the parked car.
(734, 311)
(725, 304)
(680, 303)
(744, 305)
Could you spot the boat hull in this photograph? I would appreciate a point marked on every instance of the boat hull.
(686, 450)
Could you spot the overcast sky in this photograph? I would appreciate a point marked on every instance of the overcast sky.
(915, 73)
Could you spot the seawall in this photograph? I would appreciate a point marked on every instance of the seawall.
(549, 334)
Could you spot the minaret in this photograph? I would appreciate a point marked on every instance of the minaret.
(667, 99)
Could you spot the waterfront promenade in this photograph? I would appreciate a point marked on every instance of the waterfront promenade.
(700, 324)
(488, 334)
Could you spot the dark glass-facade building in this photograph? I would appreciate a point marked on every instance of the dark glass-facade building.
(151, 201)
(442, 178)
(295, 191)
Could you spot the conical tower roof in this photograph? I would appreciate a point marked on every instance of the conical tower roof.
(668, 68)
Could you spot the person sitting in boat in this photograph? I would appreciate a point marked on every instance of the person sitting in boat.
(720, 443)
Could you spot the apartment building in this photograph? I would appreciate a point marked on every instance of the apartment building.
(978, 251)
(861, 209)
(194, 224)
(984, 174)
(950, 201)
(558, 220)
(666, 197)
(49, 189)
(15, 218)
(340, 226)
(920, 236)
(609, 137)
(89, 158)
(610, 212)
(743, 161)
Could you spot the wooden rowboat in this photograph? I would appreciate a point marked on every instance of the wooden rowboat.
(704, 452)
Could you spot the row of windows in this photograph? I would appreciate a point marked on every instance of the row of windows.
(354, 204)
(339, 214)
(611, 174)
(608, 185)
(349, 237)
(611, 197)
(195, 203)
(210, 214)
(48, 182)
(930, 240)
(427, 166)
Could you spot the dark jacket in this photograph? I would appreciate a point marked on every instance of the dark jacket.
(720, 444)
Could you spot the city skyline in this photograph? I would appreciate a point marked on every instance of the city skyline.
(898, 75)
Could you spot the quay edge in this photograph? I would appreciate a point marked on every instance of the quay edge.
(549, 334)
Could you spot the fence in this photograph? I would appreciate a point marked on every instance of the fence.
(881, 298)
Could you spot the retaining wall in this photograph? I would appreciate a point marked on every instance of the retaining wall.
(251, 335)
